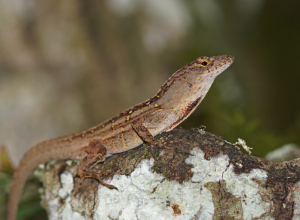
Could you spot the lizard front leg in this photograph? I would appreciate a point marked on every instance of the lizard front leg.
(146, 136)
(96, 153)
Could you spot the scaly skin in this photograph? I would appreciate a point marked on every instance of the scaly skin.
(173, 103)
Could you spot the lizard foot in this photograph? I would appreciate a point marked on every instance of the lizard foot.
(96, 153)
(147, 137)
(94, 175)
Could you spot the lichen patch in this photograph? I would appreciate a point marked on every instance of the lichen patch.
(242, 186)
(136, 199)
(294, 198)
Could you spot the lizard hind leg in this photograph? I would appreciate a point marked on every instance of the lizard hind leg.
(96, 153)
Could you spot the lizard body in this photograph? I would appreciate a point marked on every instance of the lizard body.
(173, 103)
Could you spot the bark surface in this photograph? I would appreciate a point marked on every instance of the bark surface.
(205, 177)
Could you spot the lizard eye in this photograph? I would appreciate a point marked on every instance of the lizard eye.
(204, 63)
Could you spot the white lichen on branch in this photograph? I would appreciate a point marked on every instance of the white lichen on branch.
(145, 194)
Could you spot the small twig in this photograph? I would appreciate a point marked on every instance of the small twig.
(242, 143)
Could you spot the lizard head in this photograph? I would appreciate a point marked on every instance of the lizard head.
(194, 78)
(211, 66)
(187, 87)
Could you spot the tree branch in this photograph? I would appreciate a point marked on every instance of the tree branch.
(214, 181)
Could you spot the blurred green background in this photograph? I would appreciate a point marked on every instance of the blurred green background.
(66, 66)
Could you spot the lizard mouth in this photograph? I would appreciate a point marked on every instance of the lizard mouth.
(221, 63)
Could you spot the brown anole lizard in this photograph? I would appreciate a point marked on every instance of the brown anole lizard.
(173, 103)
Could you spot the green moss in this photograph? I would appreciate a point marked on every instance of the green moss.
(145, 152)
(165, 175)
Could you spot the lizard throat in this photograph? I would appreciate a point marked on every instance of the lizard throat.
(185, 112)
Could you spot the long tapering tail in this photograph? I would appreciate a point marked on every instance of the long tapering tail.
(42, 153)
